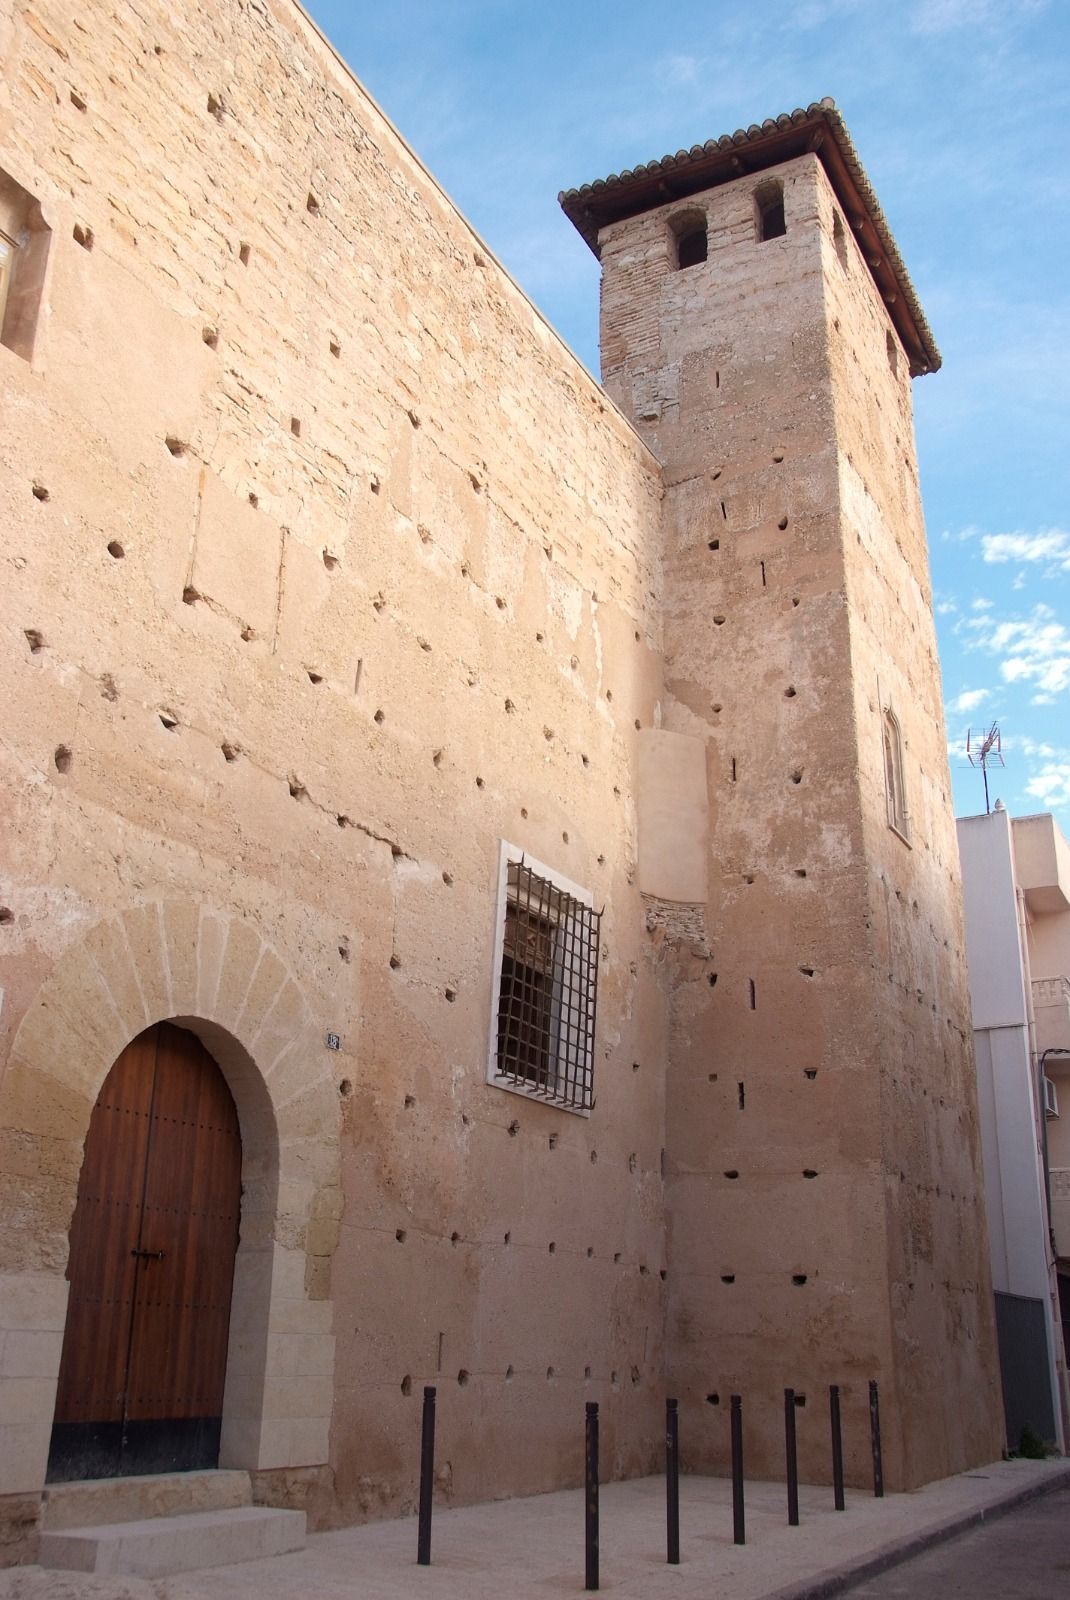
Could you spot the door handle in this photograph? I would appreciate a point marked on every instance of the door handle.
(147, 1255)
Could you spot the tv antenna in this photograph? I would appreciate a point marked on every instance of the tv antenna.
(983, 748)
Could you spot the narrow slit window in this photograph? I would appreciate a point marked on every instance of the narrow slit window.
(24, 241)
(769, 211)
(7, 265)
(895, 789)
(543, 1038)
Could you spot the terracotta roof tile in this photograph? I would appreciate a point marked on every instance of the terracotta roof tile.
(820, 128)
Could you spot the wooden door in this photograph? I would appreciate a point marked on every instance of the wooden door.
(151, 1267)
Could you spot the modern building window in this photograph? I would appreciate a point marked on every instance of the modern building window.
(895, 788)
(546, 961)
(769, 220)
(690, 236)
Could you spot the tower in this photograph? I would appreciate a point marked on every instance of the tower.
(823, 1171)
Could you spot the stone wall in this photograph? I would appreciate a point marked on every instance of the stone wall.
(820, 1107)
(327, 567)
(919, 1005)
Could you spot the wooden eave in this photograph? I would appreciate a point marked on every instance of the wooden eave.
(819, 130)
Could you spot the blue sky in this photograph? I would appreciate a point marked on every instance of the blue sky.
(959, 110)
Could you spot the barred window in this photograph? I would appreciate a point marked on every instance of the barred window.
(543, 1034)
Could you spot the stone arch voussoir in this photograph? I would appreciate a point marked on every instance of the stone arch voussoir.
(213, 973)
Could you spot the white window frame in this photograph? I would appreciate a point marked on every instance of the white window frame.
(509, 854)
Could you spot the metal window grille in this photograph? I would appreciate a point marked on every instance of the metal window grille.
(548, 989)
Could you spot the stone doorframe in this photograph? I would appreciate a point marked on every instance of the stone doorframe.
(194, 966)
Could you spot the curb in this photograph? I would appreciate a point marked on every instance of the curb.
(902, 1549)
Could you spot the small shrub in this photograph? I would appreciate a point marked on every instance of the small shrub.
(1030, 1445)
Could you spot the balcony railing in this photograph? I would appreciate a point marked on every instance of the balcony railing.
(1051, 991)
(1051, 1008)
(1060, 1209)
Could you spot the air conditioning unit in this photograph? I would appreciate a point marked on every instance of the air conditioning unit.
(1051, 1099)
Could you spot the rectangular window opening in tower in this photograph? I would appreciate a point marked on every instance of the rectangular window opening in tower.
(690, 238)
(769, 219)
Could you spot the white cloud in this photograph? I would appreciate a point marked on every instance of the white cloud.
(969, 700)
(1051, 785)
(940, 16)
(1048, 545)
(816, 13)
(982, 604)
(1034, 747)
(672, 71)
(962, 536)
(1048, 767)
(1034, 650)
(943, 16)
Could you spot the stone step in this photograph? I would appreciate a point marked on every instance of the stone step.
(158, 1546)
(165, 1494)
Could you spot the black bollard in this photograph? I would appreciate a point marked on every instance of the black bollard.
(591, 1497)
(792, 1458)
(875, 1438)
(739, 1531)
(837, 1446)
(427, 1478)
(672, 1483)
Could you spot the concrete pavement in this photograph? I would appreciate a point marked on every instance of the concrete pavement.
(1025, 1554)
(532, 1549)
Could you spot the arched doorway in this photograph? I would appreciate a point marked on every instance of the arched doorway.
(152, 1248)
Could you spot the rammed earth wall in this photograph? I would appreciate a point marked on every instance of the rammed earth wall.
(327, 569)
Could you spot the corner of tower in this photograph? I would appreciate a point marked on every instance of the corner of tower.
(760, 330)
(649, 222)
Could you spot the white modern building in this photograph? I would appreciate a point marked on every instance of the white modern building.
(1016, 885)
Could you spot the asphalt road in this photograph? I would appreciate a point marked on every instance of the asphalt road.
(1024, 1555)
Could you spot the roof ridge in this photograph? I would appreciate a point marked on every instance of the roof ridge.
(724, 141)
